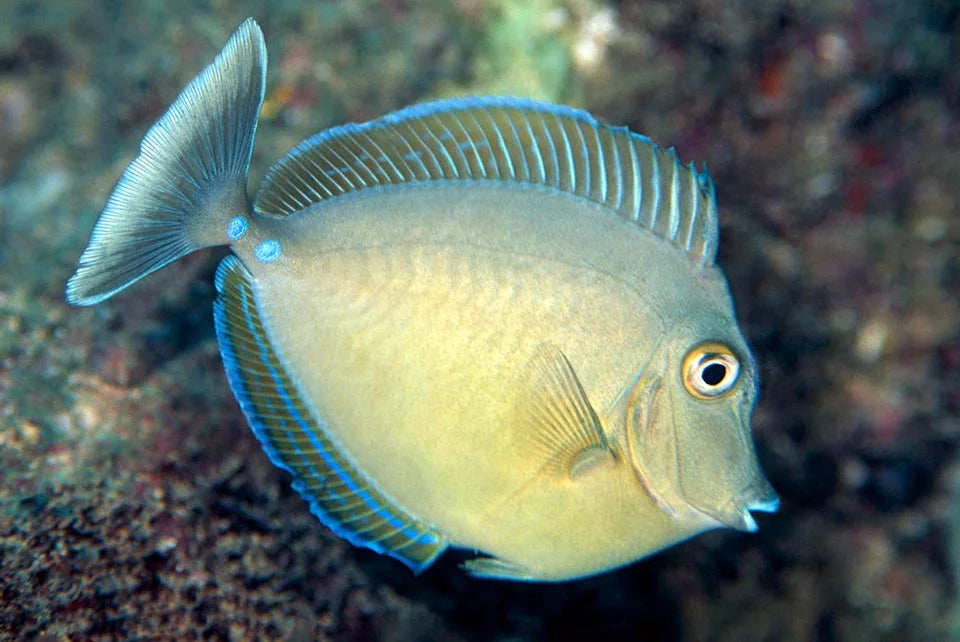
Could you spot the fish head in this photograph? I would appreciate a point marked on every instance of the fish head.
(688, 418)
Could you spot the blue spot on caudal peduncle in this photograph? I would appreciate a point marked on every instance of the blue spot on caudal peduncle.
(237, 227)
(267, 251)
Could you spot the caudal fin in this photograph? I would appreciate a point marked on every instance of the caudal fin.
(189, 179)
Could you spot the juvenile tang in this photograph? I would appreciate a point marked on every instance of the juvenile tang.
(489, 323)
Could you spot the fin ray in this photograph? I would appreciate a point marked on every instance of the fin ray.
(556, 417)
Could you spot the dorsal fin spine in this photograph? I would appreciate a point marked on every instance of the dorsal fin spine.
(467, 142)
(552, 181)
(504, 148)
(674, 202)
(530, 149)
(346, 168)
(486, 160)
(427, 149)
(293, 191)
(448, 140)
(694, 209)
(654, 204)
(573, 175)
(412, 158)
(358, 163)
(579, 178)
(618, 168)
(450, 163)
(362, 157)
(601, 165)
(587, 165)
(518, 149)
(484, 143)
(466, 169)
(329, 169)
(571, 184)
(636, 200)
(383, 155)
(322, 185)
(552, 165)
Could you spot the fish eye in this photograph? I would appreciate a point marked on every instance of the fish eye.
(710, 370)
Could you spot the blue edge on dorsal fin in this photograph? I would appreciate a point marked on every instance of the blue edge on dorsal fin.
(444, 105)
(344, 499)
(504, 139)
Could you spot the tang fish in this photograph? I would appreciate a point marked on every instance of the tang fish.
(488, 323)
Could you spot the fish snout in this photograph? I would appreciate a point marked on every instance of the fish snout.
(759, 496)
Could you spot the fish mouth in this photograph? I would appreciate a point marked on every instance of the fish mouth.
(736, 512)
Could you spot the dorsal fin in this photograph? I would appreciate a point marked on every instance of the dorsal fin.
(510, 140)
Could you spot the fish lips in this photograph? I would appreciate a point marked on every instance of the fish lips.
(736, 513)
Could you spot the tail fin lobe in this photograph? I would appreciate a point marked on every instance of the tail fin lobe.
(188, 180)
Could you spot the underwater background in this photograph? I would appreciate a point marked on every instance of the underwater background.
(134, 501)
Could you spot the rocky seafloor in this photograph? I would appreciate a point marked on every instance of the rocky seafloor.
(135, 503)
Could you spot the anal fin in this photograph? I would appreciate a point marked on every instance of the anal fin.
(297, 440)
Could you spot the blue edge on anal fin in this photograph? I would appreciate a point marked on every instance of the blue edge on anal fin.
(296, 440)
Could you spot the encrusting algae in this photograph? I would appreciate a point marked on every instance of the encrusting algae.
(491, 323)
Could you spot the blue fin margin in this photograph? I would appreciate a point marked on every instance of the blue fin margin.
(508, 140)
(297, 441)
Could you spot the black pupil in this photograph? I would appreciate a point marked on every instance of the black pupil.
(713, 374)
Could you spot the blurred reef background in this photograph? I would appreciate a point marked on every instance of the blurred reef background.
(135, 503)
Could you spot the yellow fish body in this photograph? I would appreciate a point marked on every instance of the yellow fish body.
(488, 323)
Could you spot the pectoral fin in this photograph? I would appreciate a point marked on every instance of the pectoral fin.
(556, 417)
